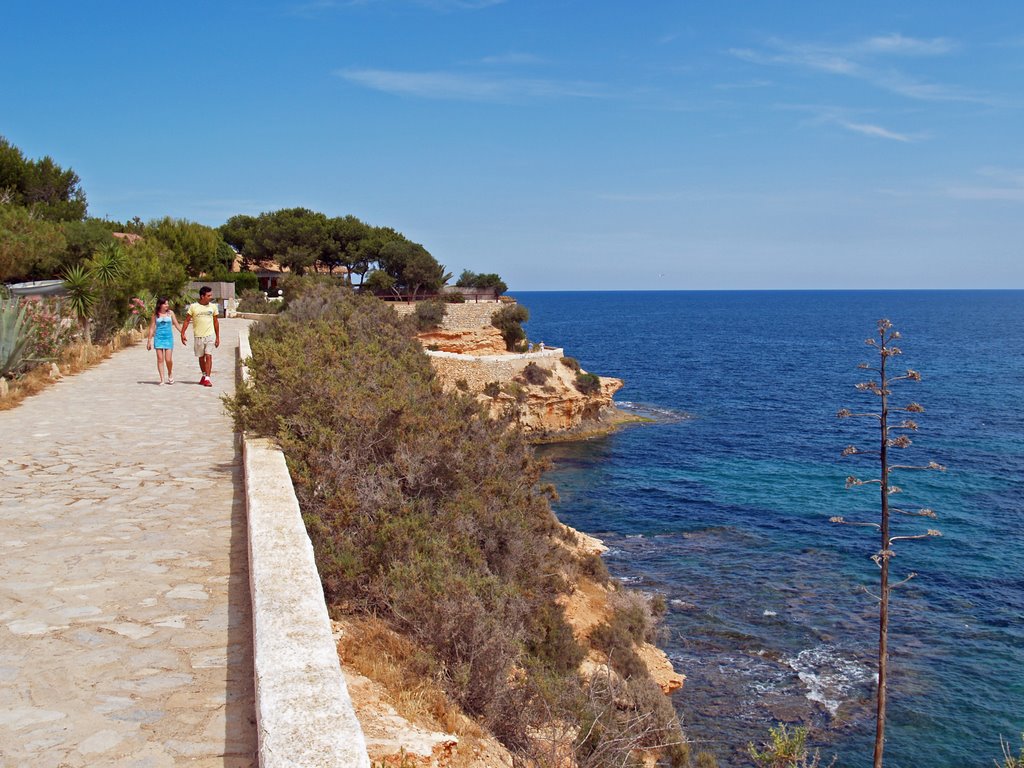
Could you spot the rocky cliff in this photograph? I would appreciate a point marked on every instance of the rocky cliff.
(539, 390)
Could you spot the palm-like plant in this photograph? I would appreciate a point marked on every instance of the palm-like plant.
(15, 334)
(107, 264)
(81, 294)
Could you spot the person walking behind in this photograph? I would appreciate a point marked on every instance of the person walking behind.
(206, 334)
(161, 336)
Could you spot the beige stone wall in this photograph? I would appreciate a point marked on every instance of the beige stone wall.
(479, 371)
(458, 316)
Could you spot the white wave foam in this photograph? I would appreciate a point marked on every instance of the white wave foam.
(769, 613)
(828, 676)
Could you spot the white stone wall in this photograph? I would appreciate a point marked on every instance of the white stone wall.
(304, 713)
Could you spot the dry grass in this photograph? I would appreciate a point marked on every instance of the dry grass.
(74, 359)
(371, 648)
(374, 650)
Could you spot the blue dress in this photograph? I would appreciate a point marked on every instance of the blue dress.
(163, 338)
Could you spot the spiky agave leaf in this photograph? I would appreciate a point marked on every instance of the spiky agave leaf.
(15, 334)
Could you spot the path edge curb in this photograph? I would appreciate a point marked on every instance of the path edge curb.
(304, 714)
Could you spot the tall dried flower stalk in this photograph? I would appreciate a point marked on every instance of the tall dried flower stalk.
(891, 436)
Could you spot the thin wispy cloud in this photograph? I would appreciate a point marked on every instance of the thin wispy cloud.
(869, 60)
(512, 60)
(850, 120)
(468, 87)
(875, 131)
(1001, 184)
(898, 45)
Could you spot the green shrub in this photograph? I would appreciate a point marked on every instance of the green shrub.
(462, 385)
(453, 297)
(515, 390)
(492, 389)
(419, 507)
(429, 314)
(244, 281)
(706, 760)
(536, 375)
(257, 303)
(588, 383)
(509, 320)
(593, 566)
(571, 362)
(785, 749)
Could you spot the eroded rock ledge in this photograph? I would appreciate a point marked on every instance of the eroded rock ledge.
(538, 389)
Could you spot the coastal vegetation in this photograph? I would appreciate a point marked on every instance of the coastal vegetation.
(431, 516)
(892, 435)
(509, 320)
(489, 280)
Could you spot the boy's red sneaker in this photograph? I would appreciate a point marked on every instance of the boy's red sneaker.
(205, 381)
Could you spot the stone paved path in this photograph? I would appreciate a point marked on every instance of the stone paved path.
(125, 630)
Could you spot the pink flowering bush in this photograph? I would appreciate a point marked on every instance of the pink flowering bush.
(51, 330)
(140, 311)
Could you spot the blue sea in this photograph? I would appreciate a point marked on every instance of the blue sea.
(723, 507)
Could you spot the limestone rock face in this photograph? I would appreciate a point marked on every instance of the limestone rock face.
(469, 341)
(557, 407)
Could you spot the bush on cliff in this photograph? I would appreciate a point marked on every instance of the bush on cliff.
(536, 375)
(429, 314)
(424, 511)
(588, 383)
(419, 507)
(509, 320)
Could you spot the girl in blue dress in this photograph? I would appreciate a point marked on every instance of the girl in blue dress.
(161, 336)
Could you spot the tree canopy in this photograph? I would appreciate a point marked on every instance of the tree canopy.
(201, 247)
(469, 279)
(47, 190)
(300, 239)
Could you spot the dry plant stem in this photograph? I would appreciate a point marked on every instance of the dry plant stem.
(883, 609)
(890, 436)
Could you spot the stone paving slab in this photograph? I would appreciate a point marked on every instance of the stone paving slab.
(125, 627)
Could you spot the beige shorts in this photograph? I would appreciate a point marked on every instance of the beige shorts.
(204, 345)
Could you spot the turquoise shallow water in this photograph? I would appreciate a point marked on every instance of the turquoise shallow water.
(724, 508)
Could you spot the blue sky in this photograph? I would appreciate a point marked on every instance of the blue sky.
(565, 144)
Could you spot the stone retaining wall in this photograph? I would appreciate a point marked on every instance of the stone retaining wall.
(458, 316)
(478, 371)
(304, 713)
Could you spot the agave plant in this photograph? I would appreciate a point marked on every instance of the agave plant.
(15, 334)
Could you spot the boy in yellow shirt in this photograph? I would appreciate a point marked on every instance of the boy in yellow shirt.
(206, 334)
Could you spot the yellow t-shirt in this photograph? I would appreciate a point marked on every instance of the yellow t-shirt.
(202, 316)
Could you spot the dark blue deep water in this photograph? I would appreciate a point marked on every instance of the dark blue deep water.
(725, 512)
